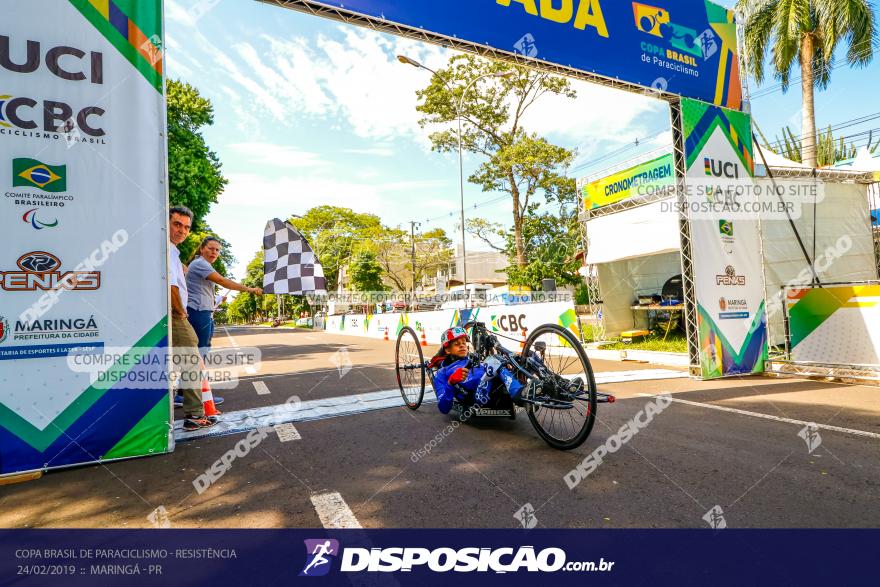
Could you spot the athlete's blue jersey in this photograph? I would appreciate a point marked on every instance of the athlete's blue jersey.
(480, 382)
(447, 392)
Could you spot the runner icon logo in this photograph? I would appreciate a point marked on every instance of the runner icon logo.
(319, 556)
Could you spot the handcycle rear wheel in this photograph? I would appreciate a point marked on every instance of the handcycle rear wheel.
(409, 363)
(562, 408)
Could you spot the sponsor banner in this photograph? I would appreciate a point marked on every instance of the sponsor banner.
(655, 175)
(728, 274)
(429, 557)
(837, 325)
(685, 47)
(83, 212)
(508, 321)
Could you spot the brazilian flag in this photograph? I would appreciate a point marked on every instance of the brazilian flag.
(33, 173)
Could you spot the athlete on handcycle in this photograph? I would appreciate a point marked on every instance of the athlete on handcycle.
(458, 378)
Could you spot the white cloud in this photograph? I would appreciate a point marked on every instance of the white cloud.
(388, 151)
(597, 114)
(276, 155)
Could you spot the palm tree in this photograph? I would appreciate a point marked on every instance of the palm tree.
(806, 31)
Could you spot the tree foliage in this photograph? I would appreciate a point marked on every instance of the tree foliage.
(247, 307)
(366, 273)
(806, 32)
(188, 247)
(334, 232)
(516, 161)
(394, 254)
(194, 177)
(829, 149)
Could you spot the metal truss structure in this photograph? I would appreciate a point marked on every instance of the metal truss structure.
(592, 279)
(827, 174)
(679, 157)
(845, 373)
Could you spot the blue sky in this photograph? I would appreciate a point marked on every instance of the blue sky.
(310, 112)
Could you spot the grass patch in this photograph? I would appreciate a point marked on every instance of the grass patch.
(674, 343)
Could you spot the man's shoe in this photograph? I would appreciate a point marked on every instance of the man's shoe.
(191, 424)
(178, 401)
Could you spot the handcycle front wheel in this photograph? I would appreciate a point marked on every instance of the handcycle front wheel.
(562, 406)
(410, 365)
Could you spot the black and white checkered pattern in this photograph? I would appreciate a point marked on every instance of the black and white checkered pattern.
(290, 265)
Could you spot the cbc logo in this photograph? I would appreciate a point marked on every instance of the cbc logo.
(511, 322)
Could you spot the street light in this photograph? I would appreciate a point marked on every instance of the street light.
(505, 74)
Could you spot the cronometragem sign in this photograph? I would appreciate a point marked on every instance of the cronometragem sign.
(83, 286)
(685, 47)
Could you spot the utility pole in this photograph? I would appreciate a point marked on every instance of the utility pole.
(412, 239)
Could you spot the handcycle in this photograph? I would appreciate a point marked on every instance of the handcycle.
(559, 394)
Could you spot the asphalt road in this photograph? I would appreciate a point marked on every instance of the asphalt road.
(730, 447)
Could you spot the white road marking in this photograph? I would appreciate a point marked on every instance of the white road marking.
(262, 388)
(287, 432)
(334, 512)
(770, 417)
(331, 407)
(249, 369)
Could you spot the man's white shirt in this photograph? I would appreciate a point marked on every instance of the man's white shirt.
(177, 277)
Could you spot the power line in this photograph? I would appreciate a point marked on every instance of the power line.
(837, 126)
(816, 69)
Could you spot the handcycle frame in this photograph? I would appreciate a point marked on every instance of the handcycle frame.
(543, 388)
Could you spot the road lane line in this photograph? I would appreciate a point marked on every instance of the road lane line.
(249, 369)
(333, 407)
(770, 417)
(287, 432)
(334, 512)
(262, 388)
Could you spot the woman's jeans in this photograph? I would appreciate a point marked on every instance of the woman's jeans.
(203, 323)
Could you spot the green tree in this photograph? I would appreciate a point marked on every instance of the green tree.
(247, 307)
(192, 242)
(393, 249)
(830, 150)
(334, 232)
(517, 162)
(366, 273)
(551, 243)
(806, 32)
(194, 177)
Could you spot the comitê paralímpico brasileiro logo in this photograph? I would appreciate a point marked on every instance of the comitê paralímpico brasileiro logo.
(30, 217)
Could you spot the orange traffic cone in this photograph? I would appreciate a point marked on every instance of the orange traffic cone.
(386, 333)
(207, 396)
(424, 340)
(522, 343)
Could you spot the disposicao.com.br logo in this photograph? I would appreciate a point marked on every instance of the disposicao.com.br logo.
(320, 553)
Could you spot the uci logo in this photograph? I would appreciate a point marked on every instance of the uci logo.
(39, 271)
(720, 168)
(91, 69)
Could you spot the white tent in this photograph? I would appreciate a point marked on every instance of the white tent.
(637, 249)
(773, 160)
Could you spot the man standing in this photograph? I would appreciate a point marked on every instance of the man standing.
(183, 338)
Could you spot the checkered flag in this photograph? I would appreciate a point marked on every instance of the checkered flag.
(290, 265)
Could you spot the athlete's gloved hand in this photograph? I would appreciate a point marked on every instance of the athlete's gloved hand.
(458, 376)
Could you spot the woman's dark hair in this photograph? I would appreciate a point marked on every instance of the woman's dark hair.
(205, 241)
